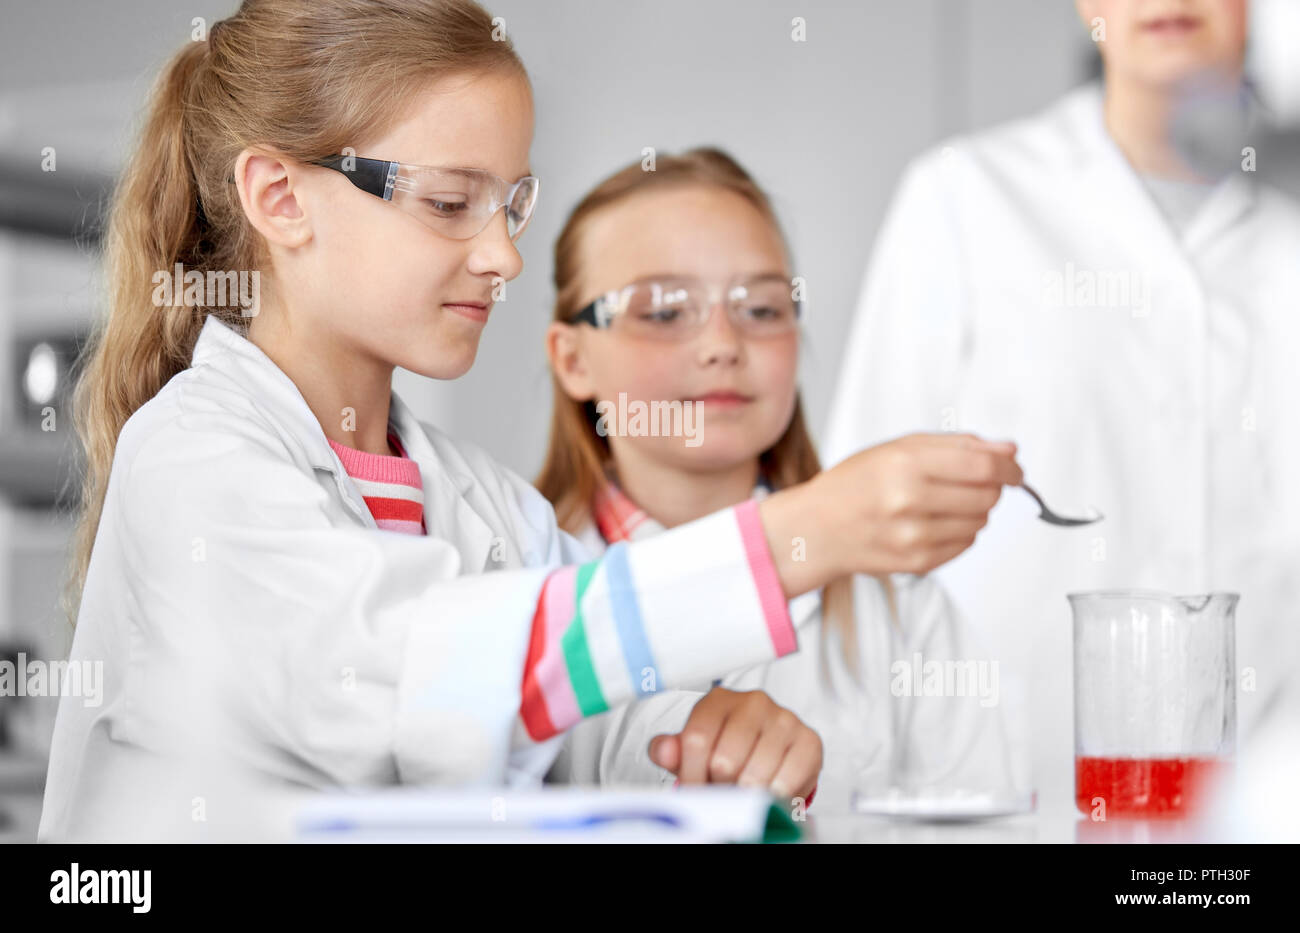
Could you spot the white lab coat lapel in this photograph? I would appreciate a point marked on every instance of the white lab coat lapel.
(1122, 193)
(1117, 191)
(446, 493)
(1230, 201)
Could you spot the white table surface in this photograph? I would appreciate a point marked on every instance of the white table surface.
(829, 820)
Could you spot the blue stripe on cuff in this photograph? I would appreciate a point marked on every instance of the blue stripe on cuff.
(627, 619)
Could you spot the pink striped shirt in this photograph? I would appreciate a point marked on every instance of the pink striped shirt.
(391, 485)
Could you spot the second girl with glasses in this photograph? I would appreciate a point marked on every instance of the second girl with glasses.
(675, 296)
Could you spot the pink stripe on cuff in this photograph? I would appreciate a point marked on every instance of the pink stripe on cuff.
(770, 595)
(552, 670)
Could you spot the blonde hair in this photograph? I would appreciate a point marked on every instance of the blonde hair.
(577, 455)
(303, 77)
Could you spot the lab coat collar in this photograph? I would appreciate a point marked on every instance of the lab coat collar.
(1231, 200)
(228, 351)
(447, 493)
(1123, 189)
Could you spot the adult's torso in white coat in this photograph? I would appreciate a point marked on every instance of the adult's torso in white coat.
(1026, 286)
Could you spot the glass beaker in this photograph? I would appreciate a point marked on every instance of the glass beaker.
(1155, 702)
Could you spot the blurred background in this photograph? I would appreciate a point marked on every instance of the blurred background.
(826, 125)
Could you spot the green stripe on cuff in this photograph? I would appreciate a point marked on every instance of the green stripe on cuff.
(577, 654)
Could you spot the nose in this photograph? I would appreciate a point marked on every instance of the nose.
(720, 343)
(493, 253)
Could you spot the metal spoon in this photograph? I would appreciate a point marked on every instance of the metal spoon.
(1052, 518)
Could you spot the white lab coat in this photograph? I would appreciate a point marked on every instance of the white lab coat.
(879, 734)
(253, 621)
(1173, 412)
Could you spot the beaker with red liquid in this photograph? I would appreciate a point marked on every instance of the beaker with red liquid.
(1155, 704)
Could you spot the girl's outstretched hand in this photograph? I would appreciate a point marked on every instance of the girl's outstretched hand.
(746, 739)
(905, 506)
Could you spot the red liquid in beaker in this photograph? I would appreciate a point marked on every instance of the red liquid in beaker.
(1144, 787)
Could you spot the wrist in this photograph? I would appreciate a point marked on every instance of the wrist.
(798, 537)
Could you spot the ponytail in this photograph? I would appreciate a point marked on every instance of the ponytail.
(153, 224)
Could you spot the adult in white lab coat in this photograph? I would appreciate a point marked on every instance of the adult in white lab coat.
(1080, 283)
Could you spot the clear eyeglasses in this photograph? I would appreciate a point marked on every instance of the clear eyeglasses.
(676, 309)
(455, 202)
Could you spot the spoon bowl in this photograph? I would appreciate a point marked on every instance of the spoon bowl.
(1053, 518)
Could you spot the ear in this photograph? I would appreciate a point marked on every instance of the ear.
(268, 193)
(567, 353)
(1087, 10)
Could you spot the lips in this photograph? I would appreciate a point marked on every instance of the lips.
(1171, 25)
(474, 310)
(724, 398)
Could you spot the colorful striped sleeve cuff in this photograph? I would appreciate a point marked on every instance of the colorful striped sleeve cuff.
(678, 609)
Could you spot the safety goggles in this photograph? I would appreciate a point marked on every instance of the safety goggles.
(677, 309)
(455, 202)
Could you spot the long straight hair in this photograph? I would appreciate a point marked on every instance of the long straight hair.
(574, 469)
(304, 77)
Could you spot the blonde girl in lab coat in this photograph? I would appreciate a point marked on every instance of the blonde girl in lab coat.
(644, 268)
(1114, 289)
(281, 570)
